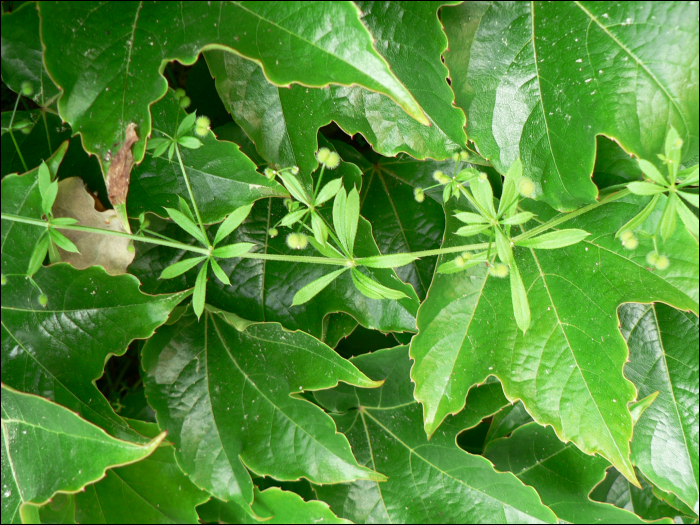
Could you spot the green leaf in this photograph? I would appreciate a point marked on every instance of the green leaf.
(663, 346)
(284, 122)
(154, 490)
(373, 289)
(263, 290)
(36, 434)
(583, 69)
(468, 231)
(471, 218)
(90, 315)
(22, 54)
(186, 125)
(295, 188)
(38, 255)
(503, 247)
(200, 290)
(220, 274)
(341, 54)
(554, 240)
(387, 261)
(506, 421)
(692, 198)
(690, 220)
(328, 191)
(233, 250)
(562, 474)
(520, 218)
(639, 219)
(44, 179)
(481, 189)
(509, 196)
(180, 267)
(184, 222)
(292, 218)
(312, 289)
(221, 176)
(668, 219)
(62, 241)
(615, 489)
(385, 431)
(320, 229)
(573, 352)
(233, 221)
(645, 188)
(521, 308)
(244, 414)
(652, 172)
(273, 506)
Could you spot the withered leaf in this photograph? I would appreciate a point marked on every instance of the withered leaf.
(119, 172)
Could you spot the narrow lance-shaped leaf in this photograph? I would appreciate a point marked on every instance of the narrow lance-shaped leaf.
(180, 267)
(224, 397)
(233, 221)
(312, 289)
(567, 368)
(384, 428)
(186, 224)
(200, 290)
(554, 240)
(35, 436)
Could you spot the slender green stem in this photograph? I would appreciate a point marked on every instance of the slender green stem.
(12, 135)
(189, 189)
(318, 183)
(46, 127)
(472, 200)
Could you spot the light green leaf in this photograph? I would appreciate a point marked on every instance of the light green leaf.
(481, 189)
(295, 188)
(373, 289)
(554, 240)
(36, 434)
(61, 241)
(645, 188)
(273, 506)
(186, 125)
(584, 69)
(341, 53)
(328, 191)
(520, 218)
(233, 221)
(567, 368)
(506, 421)
(154, 490)
(189, 142)
(652, 172)
(521, 308)
(292, 218)
(692, 198)
(471, 218)
(503, 247)
(185, 208)
(312, 289)
(320, 229)
(668, 219)
(387, 261)
(468, 231)
(220, 274)
(200, 290)
(352, 216)
(562, 474)
(38, 254)
(339, 214)
(690, 220)
(184, 222)
(509, 195)
(284, 122)
(180, 267)
(385, 431)
(233, 250)
(639, 219)
(245, 414)
(663, 346)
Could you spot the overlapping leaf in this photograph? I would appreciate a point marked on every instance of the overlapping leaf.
(153, 490)
(663, 345)
(567, 368)
(21, 54)
(108, 57)
(224, 397)
(274, 506)
(540, 80)
(46, 448)
(429, 481)
(263, 290)
(284, 122)
(561, 473)
(221, 176)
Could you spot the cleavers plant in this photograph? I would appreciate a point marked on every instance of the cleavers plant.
(383, 262)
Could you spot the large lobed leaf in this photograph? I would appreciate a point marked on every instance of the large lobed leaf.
(108, 57)
(539, 81)
(567, 368)
(429, 481)
(46, 448)
(284, 122)
(663, 345)
(224, 397)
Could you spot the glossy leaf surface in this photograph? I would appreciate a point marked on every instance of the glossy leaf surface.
(663, 345)
(567, 368)
(540, 80)
(284, 123)
(131, 41)
(36, 434)
(562, 474)
(224, 397)
(153, 490)
(271, 506)
(264, 290)
(384, 427)
(222, 177)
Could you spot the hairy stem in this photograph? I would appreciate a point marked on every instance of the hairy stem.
(189, 190)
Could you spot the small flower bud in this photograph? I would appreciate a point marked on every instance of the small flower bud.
(270, 174)
(483, 177)
(43, 300)
(467, 256)
(440, 177)
(185, 102)
(526, 187)
(3, 280)
(463, 156)
(27, 88)
(297, 241)
(652, 258)
(459, 261)
(202, 126)
(333, 160)
(273, 232)
(179, 93)
(626, 236)
(418, 194)
(499, 270)
(295, 170)
(322, 155)
(455, 157)
(630, 242)
(662, 262)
